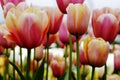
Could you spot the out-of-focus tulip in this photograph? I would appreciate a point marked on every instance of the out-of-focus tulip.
(95, 51)
(116, 60)
(39, 54)
(113, 77)
(15, 2)
(77, 18)
(58, 67)
(52, 39)
(27, 28)
(62, 4)
(21, 6)
(55, 19)
(3, 61)
(105, 24)
(4, 42)
(63, 32)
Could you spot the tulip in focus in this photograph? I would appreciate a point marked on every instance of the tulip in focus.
(96, 51)
(77, 18)
(105, 24)
(27, 28)
(62, 4)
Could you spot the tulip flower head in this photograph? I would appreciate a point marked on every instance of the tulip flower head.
(55, 19)
(15, 2)
(62, 4)
(27, 28)
(58, 66)
(105, 24)
(95, 51)
(63, 32)
(77, 18)
(3, 41)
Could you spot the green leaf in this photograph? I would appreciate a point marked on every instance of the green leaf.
(17, 69)
(40, 71)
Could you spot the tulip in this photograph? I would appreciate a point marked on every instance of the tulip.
(15, 2)
(96, 51)
(62, 4)
(28, 28)
(63, 32)
(4, 42)
(39, 54)
(78, 18)
(55, 19)
(116, 60)
(58, 67)
(105, 24)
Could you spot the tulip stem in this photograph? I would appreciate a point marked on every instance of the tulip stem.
(105, 72)
(6, 71)
(93, 71)
(28, 64)
(70, 68)
(21, 58)
(78, 57)
(47, 56)
(65, 55)
(14, 63)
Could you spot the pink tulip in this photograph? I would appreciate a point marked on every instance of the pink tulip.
(15, 2)
(62, 4)
(63, 32)
(116, 60)
(95, 51)
(4, 42)
(77, 18)
(55, 19)
(27, 28)
(58, 67)
(105, 24)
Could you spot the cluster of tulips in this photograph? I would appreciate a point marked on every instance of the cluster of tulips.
(84, 46)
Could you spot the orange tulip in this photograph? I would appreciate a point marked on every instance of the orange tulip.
(62, 4)
(27, 28)
(105, 24)
(96, 51)
(78, 18)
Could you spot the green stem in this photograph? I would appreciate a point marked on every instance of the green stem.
(105, 73)
(6, 71)
(78, 57)
(65, 55)
(93, 71)
(14, 63)
(28, 64)
(33, 63)
(21, 58)
(47, 56)
(70, 67)
(18, 71)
